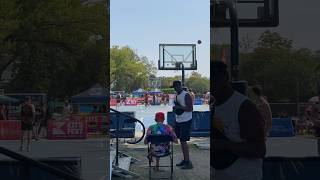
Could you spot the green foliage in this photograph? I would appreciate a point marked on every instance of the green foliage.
(168, 90)
(166, 82)
(197, 83)
(283, 71)
(57, 47)
(128, 71)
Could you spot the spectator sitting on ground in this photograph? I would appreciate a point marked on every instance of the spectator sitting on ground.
(163, 129)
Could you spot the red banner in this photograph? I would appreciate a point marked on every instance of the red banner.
(73, 127)
(95, 123)
(10, 130)
(172, 96)
(131, 102)
(140, 101)
(113, 102)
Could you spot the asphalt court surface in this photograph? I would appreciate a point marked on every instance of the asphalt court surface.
(94, 154)
(298, 146)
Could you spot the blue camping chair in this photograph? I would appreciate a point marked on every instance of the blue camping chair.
(158, 139)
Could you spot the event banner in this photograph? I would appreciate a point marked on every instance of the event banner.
(131, 102)
(10, 130)
(140, 101)
(97, 123)
(72, 127)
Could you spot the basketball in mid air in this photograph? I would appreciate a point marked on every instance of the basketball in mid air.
(199, 41)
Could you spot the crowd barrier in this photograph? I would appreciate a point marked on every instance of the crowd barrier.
(282, 127)
(131, 102)
(97, 123)
(78, 126)
(75, 126)
(198, 101)
(200, 123)
(134, 101)
(10, 129)
(126, 125)
(72, 127)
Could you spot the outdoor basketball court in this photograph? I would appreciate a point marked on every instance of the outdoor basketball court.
(288, 147)
(200, 157)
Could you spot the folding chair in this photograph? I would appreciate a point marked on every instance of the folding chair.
(158, 139)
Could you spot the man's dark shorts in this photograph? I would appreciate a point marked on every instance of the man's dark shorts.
(183, 130)
(26, 126)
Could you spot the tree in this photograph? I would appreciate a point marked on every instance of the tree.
(128, 71)
(197, 83)
(56, 47)
(9, 23)
(166, 82)
(280, 68)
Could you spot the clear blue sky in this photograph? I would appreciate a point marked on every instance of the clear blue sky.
(143, 24)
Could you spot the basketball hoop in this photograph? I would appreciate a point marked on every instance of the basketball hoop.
(177, 57)
(251, 13)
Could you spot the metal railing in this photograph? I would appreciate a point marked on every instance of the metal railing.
(118, 130)
(31, 162)
(134, 120)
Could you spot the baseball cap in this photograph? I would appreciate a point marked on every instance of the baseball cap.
(159, 117)
(176, 83)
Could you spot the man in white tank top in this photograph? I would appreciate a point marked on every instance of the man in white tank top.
(183, 103)
(242, 125)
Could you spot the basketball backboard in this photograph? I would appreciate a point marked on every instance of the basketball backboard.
(172, 55)
(251, 13)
